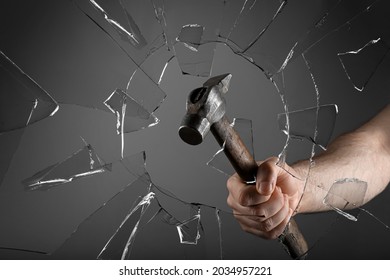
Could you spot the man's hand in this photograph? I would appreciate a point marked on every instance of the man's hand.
(264, 209)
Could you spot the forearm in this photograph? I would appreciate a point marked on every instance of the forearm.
(363, 154)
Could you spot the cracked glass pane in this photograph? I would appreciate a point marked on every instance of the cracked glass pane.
(23, 101)
(133, 27)
(191, 36)
(126, 108)
(106, 219)
(135, 62)
(179, 20)
(245, 21)
(131, 24)
(305, 123)
(120, 244)
(339, 197)
(219, 161)
(145, 92)
(195, 58)
(189, 230)
(272, 49)
(131, 116)
(84, 162)
(361, 64)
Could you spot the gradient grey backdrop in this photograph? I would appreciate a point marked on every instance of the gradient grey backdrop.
(67, 55)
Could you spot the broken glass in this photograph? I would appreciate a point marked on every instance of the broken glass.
(195, 57)
(340, 197)
(361, 64)
(105, 220)
(189, 230)
(219, 161)
(119, 245)
(23, 101)
(304, 123)
(191, 36)
(84, 162)
(289, 59)
(179, 20)
(131, 24)
(126, 108)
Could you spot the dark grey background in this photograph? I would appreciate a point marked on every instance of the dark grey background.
(68, 55)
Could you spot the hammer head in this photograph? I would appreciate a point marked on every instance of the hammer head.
(205, 106)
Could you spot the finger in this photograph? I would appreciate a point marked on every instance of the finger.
(267, 175)
(265, 225)
(250, 212)
(269, 208)
(277, 231)
(273, 222)
(261, 211)
(250, 216)
(245, 195)
(252, 227)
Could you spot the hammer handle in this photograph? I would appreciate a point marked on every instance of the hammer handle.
(246, 167)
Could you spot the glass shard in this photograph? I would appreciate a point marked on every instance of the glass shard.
(346, 194)
(125, 26)
(246, 21)
(130, 115)
(139, 35)
(155, 65)
(361, 64)
(131, 24)
(177, 216)
(119, 245)
(175, 14)
(103, 222)
(195, 62)
(194, 57)
(130, 182)
(189, 230)
(191, 36)
(275, 45)
(338, 15)
(219, 161)
(22, 100)
(183, 22)
(145, 92)
(314, 124)
(217, 211)
(85, 162)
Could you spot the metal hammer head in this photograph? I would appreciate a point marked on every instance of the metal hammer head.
(205, 106)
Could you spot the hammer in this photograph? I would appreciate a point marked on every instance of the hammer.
(206, 108)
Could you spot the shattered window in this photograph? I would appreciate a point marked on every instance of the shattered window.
(93, 92)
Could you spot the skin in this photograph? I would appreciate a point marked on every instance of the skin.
(265, 208)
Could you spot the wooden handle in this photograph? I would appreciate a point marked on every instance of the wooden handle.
(246, 168)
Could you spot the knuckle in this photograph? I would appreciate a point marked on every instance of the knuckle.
(259, 212)
(243, 199)
(267, 225)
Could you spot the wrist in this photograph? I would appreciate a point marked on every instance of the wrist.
(303, 183)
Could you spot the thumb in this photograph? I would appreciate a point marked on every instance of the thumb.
(267, 175)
